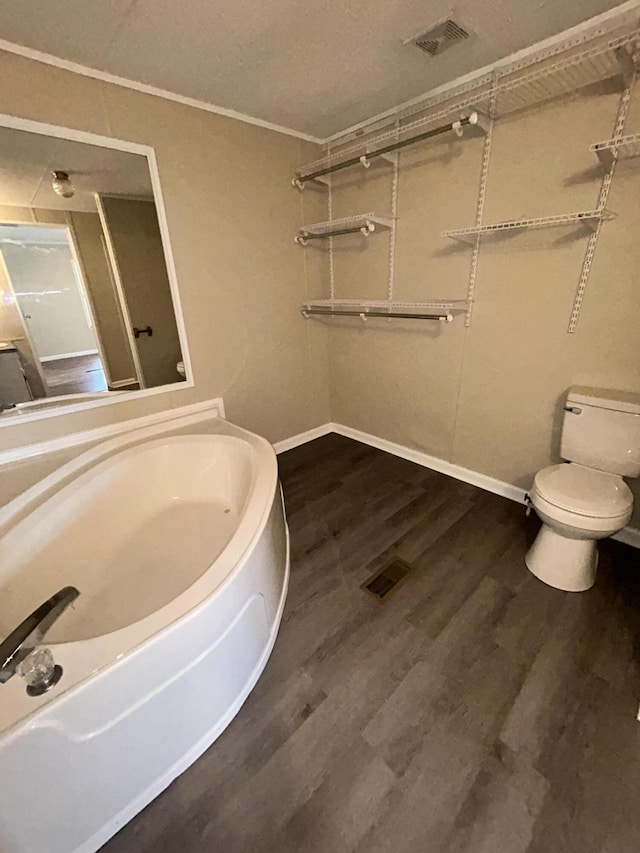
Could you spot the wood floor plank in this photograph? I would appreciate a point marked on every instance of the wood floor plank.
(342, 809)
(420, 811)
(528, 619)
(500, 811)
(593, 772)
(74, 375)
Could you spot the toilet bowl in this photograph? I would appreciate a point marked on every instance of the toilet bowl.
(585, 498)
(181, 369)
(577, 506)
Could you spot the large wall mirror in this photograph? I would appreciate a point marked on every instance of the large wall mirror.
(88, 304)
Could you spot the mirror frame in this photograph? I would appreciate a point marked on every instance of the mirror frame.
(59, 132)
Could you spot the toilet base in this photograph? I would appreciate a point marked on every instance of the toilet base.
(568, 564)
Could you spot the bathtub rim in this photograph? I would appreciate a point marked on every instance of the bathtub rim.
(28, 500)
(118, 646)
(255, 461)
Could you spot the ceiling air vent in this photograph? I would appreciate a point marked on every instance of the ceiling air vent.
(438, 39)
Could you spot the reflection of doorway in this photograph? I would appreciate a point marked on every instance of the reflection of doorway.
(134, 244)
(49, 292)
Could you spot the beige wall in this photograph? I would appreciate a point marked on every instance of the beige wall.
(489, 397)
(87, 232)
(10, 213)
(232, 215)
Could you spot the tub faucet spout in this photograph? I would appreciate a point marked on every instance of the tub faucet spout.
(31, 631)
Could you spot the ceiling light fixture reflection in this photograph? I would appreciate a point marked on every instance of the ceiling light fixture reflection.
(61, 184)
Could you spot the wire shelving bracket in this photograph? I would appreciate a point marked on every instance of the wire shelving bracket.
(623, 148)
(603, 195)
(487, 123)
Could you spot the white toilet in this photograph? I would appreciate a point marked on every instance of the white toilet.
(586, 499)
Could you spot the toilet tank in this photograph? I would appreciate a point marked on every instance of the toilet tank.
(601, 429)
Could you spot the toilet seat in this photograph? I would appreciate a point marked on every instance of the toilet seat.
(572, 521)
(583, 491)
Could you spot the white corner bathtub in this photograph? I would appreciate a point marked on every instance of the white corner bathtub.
(179, 548)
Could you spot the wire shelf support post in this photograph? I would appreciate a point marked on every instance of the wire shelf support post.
(621, 117)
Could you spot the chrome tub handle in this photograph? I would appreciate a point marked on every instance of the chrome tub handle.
(31, 631)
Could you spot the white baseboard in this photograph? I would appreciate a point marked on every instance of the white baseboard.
(483, 481)
(629, 536)
(69, 355)
(123, 383)
(303, 437)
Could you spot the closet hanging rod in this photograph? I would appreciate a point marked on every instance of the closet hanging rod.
(456, 126)
(302, 239)
(443, 316)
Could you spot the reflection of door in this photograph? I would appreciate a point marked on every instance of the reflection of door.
(14, 330)
(47, 288)
(135, 246)
(49, 293)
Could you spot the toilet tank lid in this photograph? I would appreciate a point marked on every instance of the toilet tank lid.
(604, 398)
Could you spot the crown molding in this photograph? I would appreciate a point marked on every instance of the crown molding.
(105, 77)
(624, 14)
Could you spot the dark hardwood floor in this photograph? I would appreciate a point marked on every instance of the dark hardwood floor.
(75, 375)
(478, 710)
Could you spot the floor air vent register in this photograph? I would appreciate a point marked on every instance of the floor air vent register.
(387, 580)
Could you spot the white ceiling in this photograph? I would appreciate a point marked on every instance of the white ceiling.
(313, 67)
(27, 160)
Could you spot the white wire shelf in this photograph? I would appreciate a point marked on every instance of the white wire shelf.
(443, 310)
(363, 223)
(387, 144)
(588, 218)
(622, 148)
(546, 80)
(549, 75)
(586, 59)
(397, 135)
